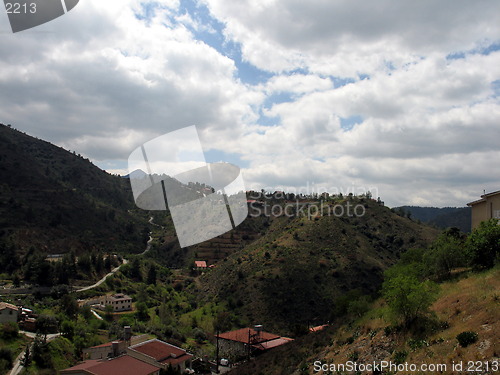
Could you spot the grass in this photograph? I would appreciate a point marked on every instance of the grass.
(469, 304)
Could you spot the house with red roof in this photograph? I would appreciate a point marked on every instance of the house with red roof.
(317, 328)
(200, 264)
(242, 342)
(122, 365)
(162, 354)
(113, 348)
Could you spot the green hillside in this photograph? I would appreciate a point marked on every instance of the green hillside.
(446, 217)
(296, 273)
(55, 202)
(437, 306)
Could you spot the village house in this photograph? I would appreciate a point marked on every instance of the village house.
(106, 350)
(114, 348)
(119, 302)
(8, 313)
(122, 365)
(488, 207)
(200, 264)
(162, 354)
(245, 341)
(317, 328)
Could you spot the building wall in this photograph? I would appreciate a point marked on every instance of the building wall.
(486, 210)
(494, 206)
(478, 214)
(7, 315)
(103, 352)
(232, 350)
(120, 305)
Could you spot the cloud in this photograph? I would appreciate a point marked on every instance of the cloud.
(419, 78)
(345, 38)
(105, 79)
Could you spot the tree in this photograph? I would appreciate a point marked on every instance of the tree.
(7, 357)
(69, 306)
(107, 263)
(41, 353)
(135, 269)
(483, 245)
(9, 331)
(26, 360)
(151, 280)
(46, 324)
(68, 329)
(446, 253)
(222, 322)
(408, 298)
(108, 313)
(142, 311)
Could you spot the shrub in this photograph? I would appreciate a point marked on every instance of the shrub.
(9, 330)
(6, 354)
(483, 244)
(466, 338)
(400, 356)
(408, 298)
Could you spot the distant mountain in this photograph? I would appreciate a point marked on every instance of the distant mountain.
(446, 217)
(54, 201)
(138, 173)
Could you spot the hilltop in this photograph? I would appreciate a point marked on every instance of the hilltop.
(295, 273)
(54, 202)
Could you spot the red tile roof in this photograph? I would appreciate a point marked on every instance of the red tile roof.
(176, 361)
(241, 335)
(318, 328)
(102, 345)
(272, 343)
(159, 350)
(200, 263)
(124, 365)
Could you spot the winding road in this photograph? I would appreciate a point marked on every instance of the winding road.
(114, 270)
(17, 368)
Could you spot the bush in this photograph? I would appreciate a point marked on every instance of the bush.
(400, 356)
(199, 335)
(9, 331)
(483, 244)
(466, 338)
(408, 298)
(7, 356)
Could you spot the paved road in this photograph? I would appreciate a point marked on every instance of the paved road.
(114, 270)
(125, 261)
(96, 315)
(17, 368)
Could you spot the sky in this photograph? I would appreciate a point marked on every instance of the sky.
(397, 97)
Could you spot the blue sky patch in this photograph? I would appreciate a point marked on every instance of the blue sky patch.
(214, 156)
(493, 47)
(347, 123)
(341, 81)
